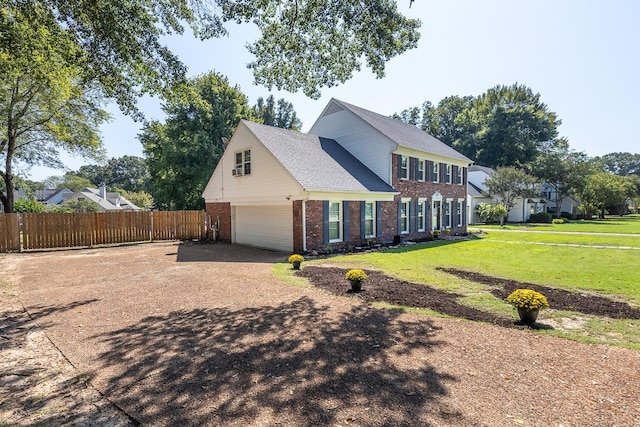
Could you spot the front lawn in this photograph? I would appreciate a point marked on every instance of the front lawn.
(628, 224)
(607, 272)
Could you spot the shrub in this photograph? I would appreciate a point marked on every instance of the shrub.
(559, 221)
(566, 215)
(356, 275)
(527, 299)
(27, 205)
(295, 258)
(540, 218)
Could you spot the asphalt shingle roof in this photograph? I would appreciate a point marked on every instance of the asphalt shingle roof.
(403, 134)
(317, 163)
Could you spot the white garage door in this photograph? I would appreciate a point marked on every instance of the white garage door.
(268, 227)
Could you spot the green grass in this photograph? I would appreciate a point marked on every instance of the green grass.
(628, 224)
(525, 257)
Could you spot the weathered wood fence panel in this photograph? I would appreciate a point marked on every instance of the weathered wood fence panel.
(169, 225)
(65, 230)
(9, 232)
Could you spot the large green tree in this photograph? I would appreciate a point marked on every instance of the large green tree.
(505, 126)
(622, 164)
(127, 173)
(182, 152)
(279, 114)
(602, 190)
(45, 105)
(509, 184)
(303, 44)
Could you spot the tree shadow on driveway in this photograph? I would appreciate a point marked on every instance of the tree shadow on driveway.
(287, 365)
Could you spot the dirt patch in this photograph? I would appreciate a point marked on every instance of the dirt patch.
(381, 288)
(559, 299)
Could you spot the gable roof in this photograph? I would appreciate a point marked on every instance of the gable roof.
(485, 169)
(316, 163)
(403, 134)
(113, 201)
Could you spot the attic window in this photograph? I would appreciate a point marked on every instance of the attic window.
(243, 162)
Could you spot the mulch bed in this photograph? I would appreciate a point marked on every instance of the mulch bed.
(381, 288)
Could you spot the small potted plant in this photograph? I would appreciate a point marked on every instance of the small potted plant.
(356, 277)
(529, 303)
(295, 260)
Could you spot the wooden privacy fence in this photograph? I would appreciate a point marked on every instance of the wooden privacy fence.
(65, 230)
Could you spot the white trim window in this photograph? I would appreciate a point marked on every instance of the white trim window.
(421, 214)
(448, 174)
(404, 167)
(335, 222)
(459, 211)
(448, 214)
(459, 175)
(435, 172)
(404, 216)
(369, 219)
(243, 162)
(420, 170)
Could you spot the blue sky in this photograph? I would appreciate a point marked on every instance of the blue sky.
(582, 56)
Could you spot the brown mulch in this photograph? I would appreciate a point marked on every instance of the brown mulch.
(381, 288)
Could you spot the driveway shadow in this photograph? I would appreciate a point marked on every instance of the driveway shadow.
(287, 365)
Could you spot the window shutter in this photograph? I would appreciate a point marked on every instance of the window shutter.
(427, 217)
(464, 176)
(325, 221)
(413, 215)
(362, 220)
(429, 171)
(378, 219)
(413, 166)
(399, 162)
(454, 174)
(443, 172)
(464, 213)
(346, 221)
(399, 216)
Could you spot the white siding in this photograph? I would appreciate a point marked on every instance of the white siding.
(358, 138)
(268, 182)
(269, 227)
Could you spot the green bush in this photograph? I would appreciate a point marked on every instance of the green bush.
(540, 218)
(27, 205)
(559, 221)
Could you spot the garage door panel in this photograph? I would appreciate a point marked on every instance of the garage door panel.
(265, 227)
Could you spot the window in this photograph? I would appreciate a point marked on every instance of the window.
(420, 176)
(369, 220)
(422, 204)
(243, 163)
(459, 175)
(447, 214)
(448, 174)
(404, 216)
(404, 167)
(459, 211)
(335, 222)
(436, 172)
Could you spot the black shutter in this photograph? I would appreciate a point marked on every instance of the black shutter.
(399, 215)
(443, 172)
(378, 219)
(346, 221)
(399, 157)
(429, 171)
(325, 221)
(464, 176)
(414, 216)
(464, 213)
(362, 219)
(427, 217)
(413, 166)
(454, 174)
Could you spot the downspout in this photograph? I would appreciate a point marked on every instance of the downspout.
(304, 222)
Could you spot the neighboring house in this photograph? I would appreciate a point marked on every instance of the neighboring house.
(477, 193)
(568, 204)
(52, 196)
(357, 177)
(108, 201)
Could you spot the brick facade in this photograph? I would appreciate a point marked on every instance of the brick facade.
(220, 214)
